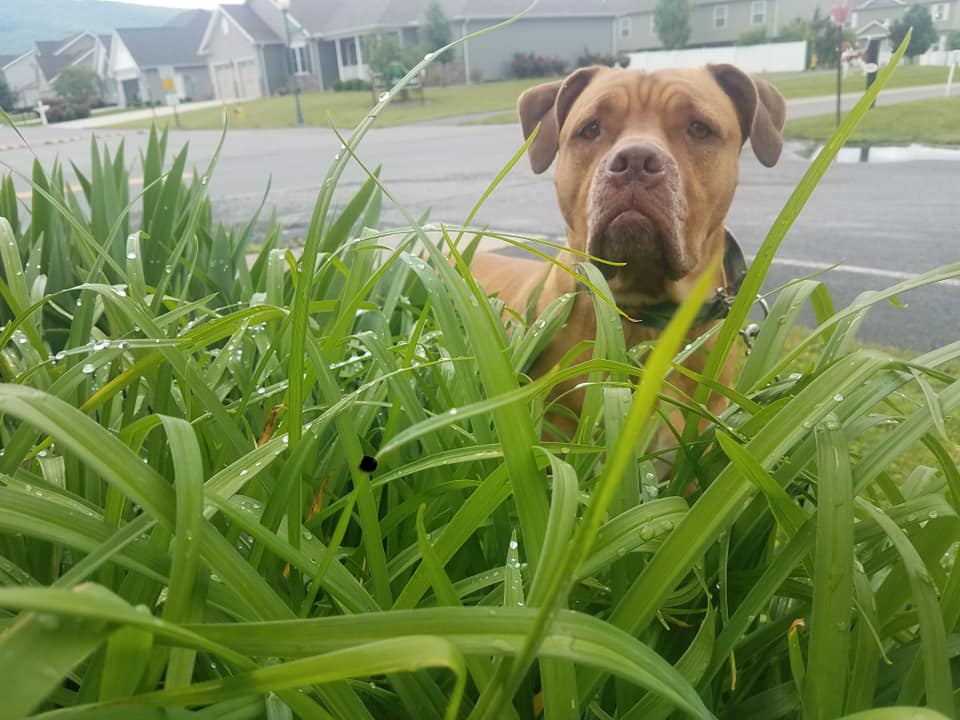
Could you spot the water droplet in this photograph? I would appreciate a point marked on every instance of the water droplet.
(131, 255)
(60, 356)
(49, 620)
(261, 391)
(120, 291)
(838, 397)
(123, 345)
(243, 472)
(88, 368)
(428, 57)
(514, 545)
(647, 533)
(383, 96)
(101, 345)
(452, 411)
(933, 514)
(204, 180)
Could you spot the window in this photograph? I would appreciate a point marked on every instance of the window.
(626, 27)
(758, 12)
(348, 51)
(719, 17)
(940, 11)
(224, 26)
(300, 59)
(854, 20)
(653, 24)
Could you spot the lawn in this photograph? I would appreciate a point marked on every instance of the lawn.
(824, 82)
(935, 121)
(346, 109)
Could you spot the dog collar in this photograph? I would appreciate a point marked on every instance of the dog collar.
(734, 270)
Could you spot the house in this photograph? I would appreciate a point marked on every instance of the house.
(158, 64)
(246, 57)
(716, 22)
(244, 43)
(31, 75)
(872, 18)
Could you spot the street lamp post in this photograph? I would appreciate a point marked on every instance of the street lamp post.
(285, 9)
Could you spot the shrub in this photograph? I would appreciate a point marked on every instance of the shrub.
(588, 58)
(351, 85)
(754, 37)
(63, 110)
(313, 485)
(531, 65)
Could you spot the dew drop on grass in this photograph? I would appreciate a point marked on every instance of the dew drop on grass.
(647, 533)
(101, 345)
(261, 391)
(49, 620)
(452, 411)
(383, 96)
(933, 514)
(514, 545)
(88, 368)
(131, 256)
(838, 397)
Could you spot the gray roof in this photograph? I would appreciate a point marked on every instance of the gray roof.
(329, 17)
(176, 43)
(252, 24)
(7, 59)
(51, 65)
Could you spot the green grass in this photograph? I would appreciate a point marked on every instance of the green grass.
(317, 487)
(824, 82)
(348, 108)
(935, 121)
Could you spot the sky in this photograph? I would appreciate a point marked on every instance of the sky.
(181, 3)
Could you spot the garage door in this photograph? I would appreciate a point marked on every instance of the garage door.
(226, 86)
(249, 76)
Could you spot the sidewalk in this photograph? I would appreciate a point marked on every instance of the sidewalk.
(146, 114)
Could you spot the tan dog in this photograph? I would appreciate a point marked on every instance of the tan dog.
(647, 165)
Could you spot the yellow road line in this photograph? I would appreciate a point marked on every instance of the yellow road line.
(26, 194)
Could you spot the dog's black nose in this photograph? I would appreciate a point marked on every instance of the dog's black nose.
(642, 162)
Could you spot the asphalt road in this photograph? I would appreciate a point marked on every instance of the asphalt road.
(883, 221)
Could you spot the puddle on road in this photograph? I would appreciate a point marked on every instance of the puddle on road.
(894, 153)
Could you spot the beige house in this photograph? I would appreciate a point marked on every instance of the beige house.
(31, 75)
(872, 18)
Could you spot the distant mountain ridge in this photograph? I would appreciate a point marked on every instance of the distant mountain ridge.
(30, 20)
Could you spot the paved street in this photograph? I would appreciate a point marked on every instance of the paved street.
(884, 221)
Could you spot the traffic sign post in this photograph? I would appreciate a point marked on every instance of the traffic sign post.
(840, 11)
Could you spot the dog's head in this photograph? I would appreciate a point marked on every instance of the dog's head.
(647, 163)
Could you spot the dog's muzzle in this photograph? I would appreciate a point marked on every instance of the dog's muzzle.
(636, 212)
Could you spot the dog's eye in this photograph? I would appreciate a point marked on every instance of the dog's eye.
(700, 130)
(590, 131)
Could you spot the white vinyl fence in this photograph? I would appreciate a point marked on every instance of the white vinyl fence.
(772, 57)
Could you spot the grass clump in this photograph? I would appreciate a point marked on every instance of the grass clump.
(935, 121)
(316, 487)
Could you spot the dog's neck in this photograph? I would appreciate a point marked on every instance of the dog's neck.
(655, 310)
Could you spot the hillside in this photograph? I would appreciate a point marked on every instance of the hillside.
(24, 22)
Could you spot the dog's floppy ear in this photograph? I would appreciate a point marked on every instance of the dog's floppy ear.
(761, 108)
(549, 104)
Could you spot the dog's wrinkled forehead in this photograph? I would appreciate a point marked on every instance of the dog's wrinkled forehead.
(721, 94)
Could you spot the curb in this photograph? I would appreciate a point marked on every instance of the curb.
(59, 141)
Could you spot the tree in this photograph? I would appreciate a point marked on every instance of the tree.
(924, 35)
(823, 39)
(77, 83)
(672, 21)
(7, 97)
(436, 31)
(382, 50)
